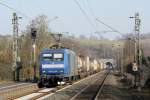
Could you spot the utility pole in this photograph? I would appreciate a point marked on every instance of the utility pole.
(135, 50)
(122, 62)
(137, 32)
(114, 54)
(16, 58)
(104, 52)
(119, 58)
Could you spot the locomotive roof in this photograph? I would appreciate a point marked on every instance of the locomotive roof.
(55, 50)
(59, 49)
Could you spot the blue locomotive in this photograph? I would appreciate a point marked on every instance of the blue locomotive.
(57, 65)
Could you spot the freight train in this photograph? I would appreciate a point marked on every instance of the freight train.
(62, 64)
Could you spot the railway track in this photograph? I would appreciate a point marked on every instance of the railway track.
(99, 93)
(41, 93)
(12, 91)
(92, 91)
(13, 85)
(85, 89)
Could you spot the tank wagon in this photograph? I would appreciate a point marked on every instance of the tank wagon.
(57, 65)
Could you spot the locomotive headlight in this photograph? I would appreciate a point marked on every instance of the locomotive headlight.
(44, 71)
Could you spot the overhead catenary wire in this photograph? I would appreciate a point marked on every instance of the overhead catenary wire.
(85, 14)
(17, 11)
(91, 10)
(108, 26)
(92, 14)
(113, 29)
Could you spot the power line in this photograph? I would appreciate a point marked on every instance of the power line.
(91, 12)
(11, 8)
(93, 15)
(113, 29)
(85, 14)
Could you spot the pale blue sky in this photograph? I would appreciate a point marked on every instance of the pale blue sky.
(113, 12)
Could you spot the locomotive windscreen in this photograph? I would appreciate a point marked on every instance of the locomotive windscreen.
(47, 57)
(58, 57)
(53, 57)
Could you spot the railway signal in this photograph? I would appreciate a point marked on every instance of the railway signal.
(134, 67)
(33, 53)
(33, 33)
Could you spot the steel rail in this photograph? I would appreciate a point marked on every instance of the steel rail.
(75, 97)
(11, 92)
(42, 94)
(101, 87)
(49, 96)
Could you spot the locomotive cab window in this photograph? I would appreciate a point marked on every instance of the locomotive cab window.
(47, 57)
(58, 57)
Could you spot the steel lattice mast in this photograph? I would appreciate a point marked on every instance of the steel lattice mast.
(16, 57)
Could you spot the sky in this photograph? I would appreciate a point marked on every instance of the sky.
(114, 13)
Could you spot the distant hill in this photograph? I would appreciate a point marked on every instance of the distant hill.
(145, 35)
(145, 46)
(98, 42)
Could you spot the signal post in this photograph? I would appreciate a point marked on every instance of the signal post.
(33, 54)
